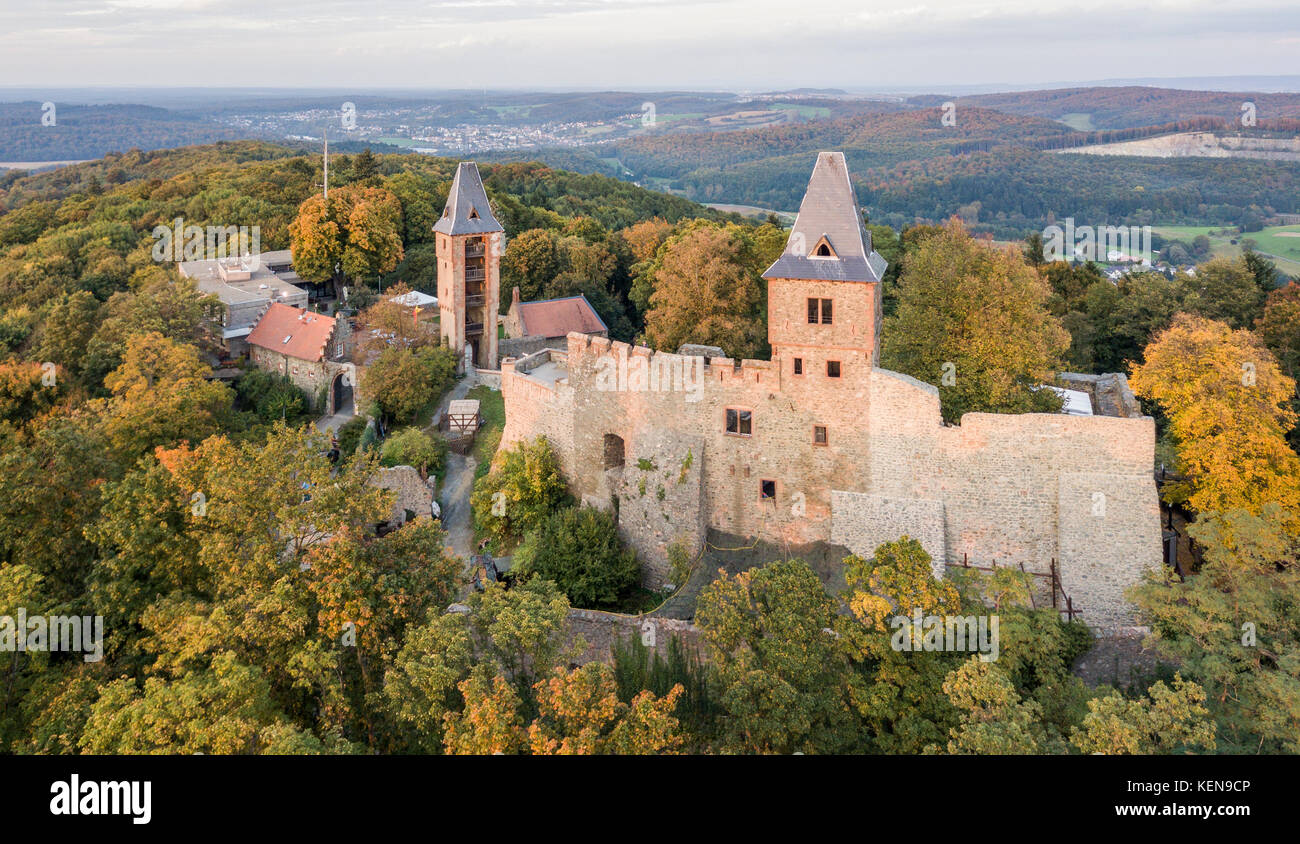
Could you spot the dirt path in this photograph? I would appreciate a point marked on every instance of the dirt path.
(459, 481)
(454, 501)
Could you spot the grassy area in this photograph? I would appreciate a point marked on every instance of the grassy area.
(807, 112)
(492, 407)
(1281, 243)
(1078, 121)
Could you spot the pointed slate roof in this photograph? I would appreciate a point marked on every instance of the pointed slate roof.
(829, 213)
(467, 210)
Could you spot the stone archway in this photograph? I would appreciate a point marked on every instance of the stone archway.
(342, 395)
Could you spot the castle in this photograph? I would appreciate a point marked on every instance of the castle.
(819, 444)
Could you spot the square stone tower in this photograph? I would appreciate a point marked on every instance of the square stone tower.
(469, 243)
(823, 293)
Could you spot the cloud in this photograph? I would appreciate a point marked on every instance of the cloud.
(635, 43)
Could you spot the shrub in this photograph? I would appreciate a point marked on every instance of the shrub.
(271, 396)
(349, 434)
(578, 548)
(369, 438)
(414, 447)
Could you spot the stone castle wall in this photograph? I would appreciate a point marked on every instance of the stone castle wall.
(1013, 488)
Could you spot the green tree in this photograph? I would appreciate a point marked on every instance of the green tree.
(1225, 290)
(781, 649)
(531, 261)
(414, 447)
(579, 549)
(1168, 720)
(406, 382)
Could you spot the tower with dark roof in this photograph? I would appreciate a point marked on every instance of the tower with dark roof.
(824, 296)
(469, 243)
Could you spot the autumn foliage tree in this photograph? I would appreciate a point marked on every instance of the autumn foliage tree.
(973, 319)
(358, 230)
(706, 289)
(1227, 405)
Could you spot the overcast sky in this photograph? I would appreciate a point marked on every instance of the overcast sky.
(732, 44)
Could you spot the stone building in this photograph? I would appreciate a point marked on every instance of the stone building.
(469, 243)
(547, 323)
(314, 350)
(820, 444)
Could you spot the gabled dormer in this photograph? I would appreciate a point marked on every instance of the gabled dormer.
(823, 249)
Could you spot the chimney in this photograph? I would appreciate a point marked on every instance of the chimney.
(514, 296)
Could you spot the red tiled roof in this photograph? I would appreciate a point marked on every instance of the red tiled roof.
(293, 332)
(557, 317)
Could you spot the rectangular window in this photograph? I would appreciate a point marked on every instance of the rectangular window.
(819, 435)
(740, 422)
(767, 490)
(832, 369)
(819, 310)
(798, 366)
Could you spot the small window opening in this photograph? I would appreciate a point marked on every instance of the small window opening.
(740, 422)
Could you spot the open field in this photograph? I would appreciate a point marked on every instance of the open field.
(1280, 243)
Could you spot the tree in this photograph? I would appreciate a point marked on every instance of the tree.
(414, 447)
(979, 315)
(781, 649)
(994, 718)
(530, 262)
(1279, 327)
(706, 291)
(1125, 316)
(1168, 720)
(422, 197)
(395, 324)
(579, 549)
(579, 712)
(1223, 289)
(25, 393)
(68, 329)
(358, 230)
(1227, 405)
(406, 382)
(517, 496)
(161, 396)
(645, 238)
(173, 308)
(271, 395)
(223, 710)
(1234, 628)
